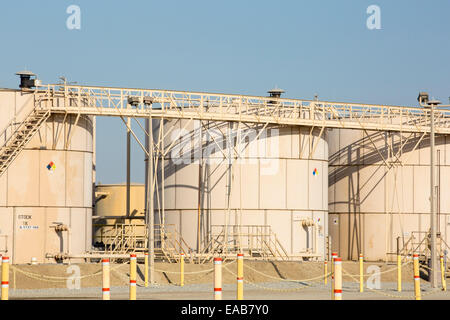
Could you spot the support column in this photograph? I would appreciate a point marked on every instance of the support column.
(149, 196)
(128, 167)
(152, 202)
(200, 188)
(433, 265)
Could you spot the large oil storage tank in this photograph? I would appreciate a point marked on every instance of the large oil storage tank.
(280, 181)
(49, 183)
(380, 188)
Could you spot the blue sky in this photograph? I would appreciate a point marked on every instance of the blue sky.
(304, 47)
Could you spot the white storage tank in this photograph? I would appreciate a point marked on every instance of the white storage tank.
(48, 183)
(279, 181)
(380, 191)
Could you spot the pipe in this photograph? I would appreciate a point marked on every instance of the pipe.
(146, 159)
(69, 237)
(94, 153)
(61, 228)
(128, 167)
(199, 195)
(433, 273)
(63, 256)
(330, 243)
(438, 192)
(117, 217)
(314, 249)
(307, 223)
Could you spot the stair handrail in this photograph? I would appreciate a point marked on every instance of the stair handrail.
(16, 126)
(278, 244)
(261, 238)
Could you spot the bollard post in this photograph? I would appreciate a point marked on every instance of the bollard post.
(182, 270)
(146, 269)
(333, 256)
(133, 276)
(106, 294)
(399, 273)
(338, 279)
(399, 266)
(416, 276)
(361, 273)
(325, 271)
(240, 276)
(217, 278)
(443, 279)
(5, 278)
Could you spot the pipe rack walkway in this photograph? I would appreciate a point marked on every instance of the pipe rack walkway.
(144, 103)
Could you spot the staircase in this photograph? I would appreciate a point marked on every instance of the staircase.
(125, 238)
(419, 243)
(22, 133)
(169, 244)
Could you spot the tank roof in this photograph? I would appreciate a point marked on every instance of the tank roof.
(25, 73)
(276, 90)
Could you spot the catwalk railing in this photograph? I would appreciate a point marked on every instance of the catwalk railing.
(17, 134)
(124, 102)
(256, 241)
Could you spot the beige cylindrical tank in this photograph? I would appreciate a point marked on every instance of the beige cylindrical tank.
(111, 202)
(48, 183)
(280, 180)
(373, 198)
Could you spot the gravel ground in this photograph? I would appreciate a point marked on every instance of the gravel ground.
(263, 280)
(271, 291)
